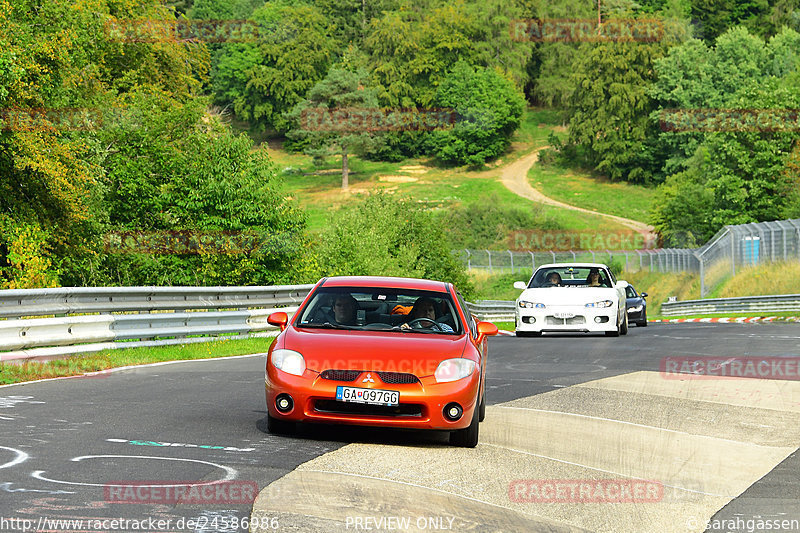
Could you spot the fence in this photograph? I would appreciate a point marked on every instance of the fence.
(75, 320)
(732, 248)
(662, 260)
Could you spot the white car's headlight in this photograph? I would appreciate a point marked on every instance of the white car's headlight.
(289, 361)
(530, 305)
(604, 303)
(635, 309)
(453, 369)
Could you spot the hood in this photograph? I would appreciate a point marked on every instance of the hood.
(379, 351)
(557, 296)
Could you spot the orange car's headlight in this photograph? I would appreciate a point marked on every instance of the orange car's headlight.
(453, 370)
(288, 361)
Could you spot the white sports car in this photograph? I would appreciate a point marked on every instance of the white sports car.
(570, 297)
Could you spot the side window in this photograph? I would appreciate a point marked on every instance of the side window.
(472, 328)
(629, 292)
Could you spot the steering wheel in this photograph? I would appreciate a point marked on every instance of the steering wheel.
(417, 322)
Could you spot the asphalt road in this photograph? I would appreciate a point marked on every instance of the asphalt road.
(561, 408)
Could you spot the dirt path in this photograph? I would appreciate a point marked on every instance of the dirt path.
(515, 178)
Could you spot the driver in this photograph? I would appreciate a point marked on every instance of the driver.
(553, 279)
(425, 308)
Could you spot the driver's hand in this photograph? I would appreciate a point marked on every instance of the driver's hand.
(405, 326)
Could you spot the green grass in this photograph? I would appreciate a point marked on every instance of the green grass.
(97, 362)
(318, 189)
(579, 189)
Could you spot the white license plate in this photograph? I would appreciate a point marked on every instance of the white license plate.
(371, 396)
(561, 314)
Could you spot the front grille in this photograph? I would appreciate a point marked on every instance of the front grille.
(576, 320)
(362, 409)
(397, 377)
(340, 375)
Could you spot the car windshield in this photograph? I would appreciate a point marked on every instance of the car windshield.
(381, 309)
(570, 276)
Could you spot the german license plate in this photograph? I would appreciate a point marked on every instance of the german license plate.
(562, 314)
(370, 396)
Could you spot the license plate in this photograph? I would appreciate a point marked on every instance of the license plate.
(371, 396)
(562, 314)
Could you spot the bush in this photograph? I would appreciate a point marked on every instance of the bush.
(384, 236)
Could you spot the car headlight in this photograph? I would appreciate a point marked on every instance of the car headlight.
(288, 361)
(453, 369)
(530, 305)
(635, 309)
(604, 303)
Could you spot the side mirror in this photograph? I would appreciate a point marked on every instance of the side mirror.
(278, 318)
(622, 284)
(485, 329)
(643, 294)
(521, 285)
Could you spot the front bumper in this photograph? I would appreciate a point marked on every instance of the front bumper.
(421, 404)
(567, 319)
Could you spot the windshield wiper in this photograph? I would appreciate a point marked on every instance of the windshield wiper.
(327, 325)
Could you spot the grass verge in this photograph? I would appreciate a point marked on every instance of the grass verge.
(97, 362)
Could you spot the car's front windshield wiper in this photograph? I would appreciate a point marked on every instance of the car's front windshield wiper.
(327, 325)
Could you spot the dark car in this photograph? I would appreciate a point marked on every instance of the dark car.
(636, 305)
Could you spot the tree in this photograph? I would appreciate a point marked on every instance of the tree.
(262, 80)
(384, 236)
(334, 118)
(490, 108)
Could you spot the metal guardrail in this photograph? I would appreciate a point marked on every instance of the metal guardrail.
(758, 304)
(500, 310)
(129, 317)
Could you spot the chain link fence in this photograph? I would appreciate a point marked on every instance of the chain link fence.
(732, 248)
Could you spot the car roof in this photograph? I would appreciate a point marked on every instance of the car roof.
(385, 282)
(582, 265)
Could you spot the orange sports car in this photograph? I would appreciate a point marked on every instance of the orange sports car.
(379, 351)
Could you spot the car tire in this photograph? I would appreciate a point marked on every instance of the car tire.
(643, 322)
(467, 437)
(482, 408)
(279, 427)
(623, 329)
(522, 333)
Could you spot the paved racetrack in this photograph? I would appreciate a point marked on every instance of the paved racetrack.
(568, 411)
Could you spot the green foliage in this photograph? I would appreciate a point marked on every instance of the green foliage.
(318, 124)
(490, 108)
(262, 80)
(383, 236)
(741, 173)
(488, 224)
